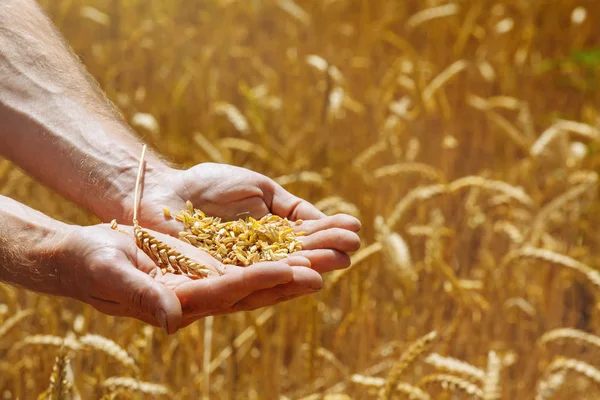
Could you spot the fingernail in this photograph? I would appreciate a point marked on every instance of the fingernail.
(161, 316)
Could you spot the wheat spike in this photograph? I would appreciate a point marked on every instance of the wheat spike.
(579, 337)
(424, 170)
(107, 346)
(569, 364)
(451, 382)
(373, 382)
(134, 385)
(432, 13)
(13, 321)
(552, 257)
(397, 252)
(491, 383)
(48, 340)
(60, 386)
(589, 183)
(458, 367)
(406, 359)
(164, 256)
(548, 386)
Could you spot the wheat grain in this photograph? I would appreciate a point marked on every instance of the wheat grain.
(396, 252)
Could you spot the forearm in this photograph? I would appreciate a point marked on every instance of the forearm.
(54, 121)
(28, 239)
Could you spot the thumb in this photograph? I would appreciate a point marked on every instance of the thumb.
(134, 288)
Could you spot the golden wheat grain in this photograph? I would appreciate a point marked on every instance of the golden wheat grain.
(458, 367)
(134, 385)
(406, 359)
(451, 382)
(108, 347)
(240, 242)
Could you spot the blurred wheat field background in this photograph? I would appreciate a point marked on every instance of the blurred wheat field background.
(464, 135)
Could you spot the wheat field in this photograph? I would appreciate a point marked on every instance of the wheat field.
(464, 135)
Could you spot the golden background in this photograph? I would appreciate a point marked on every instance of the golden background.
(464, 136)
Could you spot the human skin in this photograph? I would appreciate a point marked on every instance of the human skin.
(57, 125)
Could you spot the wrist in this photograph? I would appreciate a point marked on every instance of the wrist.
(116, 201)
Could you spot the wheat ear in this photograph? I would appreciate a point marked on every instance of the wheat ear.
(407, 358)
(164, 256)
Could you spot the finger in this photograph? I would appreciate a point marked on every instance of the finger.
(204, 296)
(286, 205)
(297, 260)
(333, 238)
(342, 221)
(132, 288)
(306, 281)
(325, 260)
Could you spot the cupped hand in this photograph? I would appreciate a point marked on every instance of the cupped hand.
(104, 268)
(231, 192)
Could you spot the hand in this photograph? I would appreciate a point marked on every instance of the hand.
(104, 268)
(232, 192)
